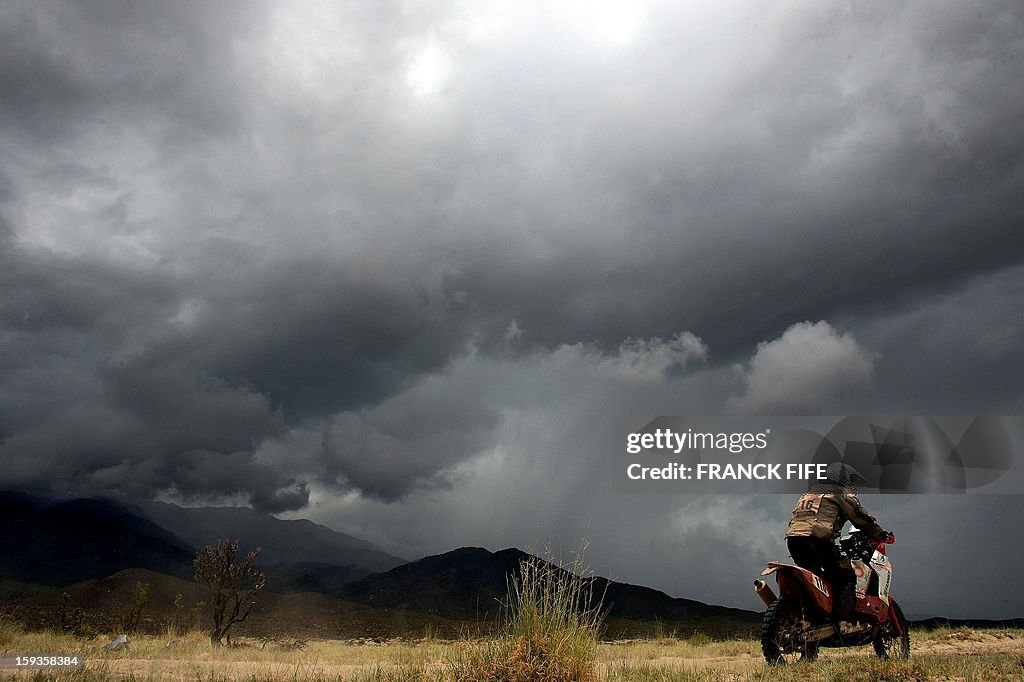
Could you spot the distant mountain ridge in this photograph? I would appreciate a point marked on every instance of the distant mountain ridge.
(472, 583)
(91, 541)
(281, 540)
(58, 542)
(311, 576)
(465, 583)
(66, 542)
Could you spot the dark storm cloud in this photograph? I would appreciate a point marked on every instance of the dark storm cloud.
(71, 66)
(857, 152)
(114, 379)
(950, 354)
(321, 339)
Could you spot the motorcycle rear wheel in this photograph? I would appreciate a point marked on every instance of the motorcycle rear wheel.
(888, 644)
(780, 634)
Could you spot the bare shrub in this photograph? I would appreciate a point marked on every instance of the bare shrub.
(71, 620)
(232, 585)
(132, 617)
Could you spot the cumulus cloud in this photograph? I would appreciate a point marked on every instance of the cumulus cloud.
(802, 372)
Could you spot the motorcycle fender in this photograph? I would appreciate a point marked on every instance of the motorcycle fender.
(897, 626)
(874, 608)
(794, 581)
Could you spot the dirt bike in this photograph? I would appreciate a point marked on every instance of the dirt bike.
(803, 617)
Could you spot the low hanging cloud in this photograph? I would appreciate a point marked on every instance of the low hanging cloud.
(644, 359)
(802, 371)
(418, 438)
(386, 459)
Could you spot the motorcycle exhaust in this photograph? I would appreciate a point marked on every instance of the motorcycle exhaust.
(764, 591)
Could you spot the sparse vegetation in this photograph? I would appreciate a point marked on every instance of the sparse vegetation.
(183, 619)
(133, 614)
(951, 654)
(71, 619)
(698, 639)
(10, 629)
(232, 585)
(551, 632)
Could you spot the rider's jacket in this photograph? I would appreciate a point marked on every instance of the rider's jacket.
(822, 511)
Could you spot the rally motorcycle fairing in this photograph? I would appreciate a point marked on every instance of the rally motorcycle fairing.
(803, 618)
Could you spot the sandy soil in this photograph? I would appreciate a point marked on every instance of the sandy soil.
(971, 643)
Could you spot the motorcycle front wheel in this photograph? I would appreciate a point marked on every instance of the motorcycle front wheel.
(781, 634)
(890, 645)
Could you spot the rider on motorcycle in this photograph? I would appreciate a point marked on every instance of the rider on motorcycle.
(817, 521)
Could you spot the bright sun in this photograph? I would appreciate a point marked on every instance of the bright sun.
(611, 21)
(429, 71)
(617, 22)
(608, 22)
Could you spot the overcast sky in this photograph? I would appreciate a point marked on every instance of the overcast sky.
(395, 266)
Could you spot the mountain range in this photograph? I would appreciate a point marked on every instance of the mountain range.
(93, 547)
(471, 583)
(294, 541)
(59, 542)
(318, 580)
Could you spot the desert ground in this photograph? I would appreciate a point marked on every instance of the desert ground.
(943, 654)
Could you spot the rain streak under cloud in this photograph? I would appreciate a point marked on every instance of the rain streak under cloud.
(393, 266)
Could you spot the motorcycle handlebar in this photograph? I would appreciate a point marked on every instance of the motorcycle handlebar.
(858, 542)
(885, 537)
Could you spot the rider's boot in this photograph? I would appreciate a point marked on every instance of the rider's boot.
(846, 603)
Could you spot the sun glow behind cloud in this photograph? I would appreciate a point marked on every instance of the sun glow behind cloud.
(607, 21)
(314, 51)
(429, 71)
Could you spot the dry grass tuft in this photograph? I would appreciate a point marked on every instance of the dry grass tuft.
(10, 629)
(551, 631)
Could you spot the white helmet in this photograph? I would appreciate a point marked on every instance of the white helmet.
(844, 474)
